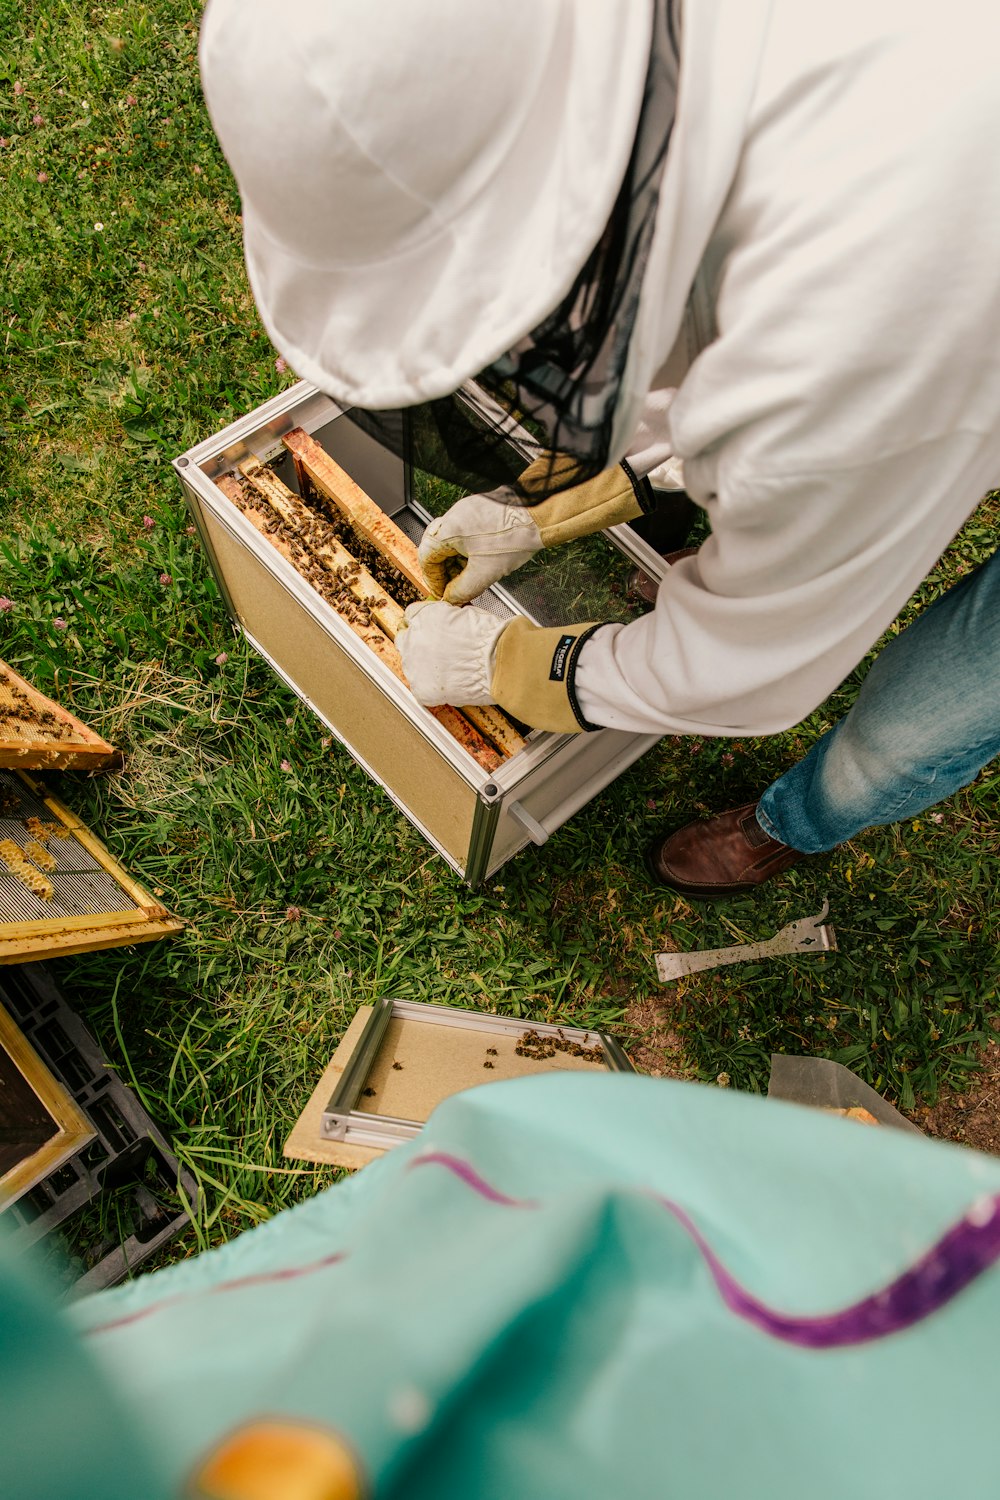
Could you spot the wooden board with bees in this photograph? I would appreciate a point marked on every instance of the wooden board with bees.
(37, 734)
(396, 1065)
(360, 563)
(61, 891)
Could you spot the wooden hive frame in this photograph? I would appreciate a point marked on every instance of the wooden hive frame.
(37, 1148)
(46, 936)
(37, 734)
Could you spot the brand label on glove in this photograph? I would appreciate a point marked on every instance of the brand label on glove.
(557, 671)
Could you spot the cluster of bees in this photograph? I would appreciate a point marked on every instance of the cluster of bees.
(540, 1047)
(530, 1044)
(334, 585)
(21, 713)
(369, 557)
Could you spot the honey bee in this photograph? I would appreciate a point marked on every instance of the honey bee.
(487, 1064)
(397, 1067)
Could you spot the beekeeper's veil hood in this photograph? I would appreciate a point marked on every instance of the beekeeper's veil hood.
(440, 190)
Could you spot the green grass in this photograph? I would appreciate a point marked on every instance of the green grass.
(303, 891)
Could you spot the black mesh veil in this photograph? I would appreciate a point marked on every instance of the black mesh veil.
(561, 382)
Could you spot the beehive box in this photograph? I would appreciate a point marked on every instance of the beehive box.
(477, 818)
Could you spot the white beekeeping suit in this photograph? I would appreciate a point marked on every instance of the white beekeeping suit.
(830, 200)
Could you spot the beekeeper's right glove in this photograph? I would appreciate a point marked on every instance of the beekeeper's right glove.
(468, 656)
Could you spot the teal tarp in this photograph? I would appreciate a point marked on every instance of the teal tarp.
(577, 1286)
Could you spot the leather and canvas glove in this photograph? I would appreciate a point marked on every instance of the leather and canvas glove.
(467, 655)
(448, 653)
(481, 539)
(475, 543)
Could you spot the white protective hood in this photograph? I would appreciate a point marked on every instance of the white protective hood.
(420, 183)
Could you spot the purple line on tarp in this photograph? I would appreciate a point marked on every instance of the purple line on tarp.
(239, 1284)
(963, 1252)
(468, 1174)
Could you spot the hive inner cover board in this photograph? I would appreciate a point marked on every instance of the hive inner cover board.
(435, 1062)
(412, 1056)
(50, 880)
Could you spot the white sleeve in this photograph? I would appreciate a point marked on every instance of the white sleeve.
(799, 579)
(846, 419)
(650, 453)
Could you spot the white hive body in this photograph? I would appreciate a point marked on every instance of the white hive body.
(477, 787)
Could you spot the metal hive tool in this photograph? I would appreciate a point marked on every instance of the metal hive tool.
(807, 935)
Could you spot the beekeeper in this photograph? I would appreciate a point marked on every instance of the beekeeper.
(760, 237)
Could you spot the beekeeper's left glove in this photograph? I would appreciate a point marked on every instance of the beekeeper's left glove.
(482, 538)
(468, 656)
(474, 544)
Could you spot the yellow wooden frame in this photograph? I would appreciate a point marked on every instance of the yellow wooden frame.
(73, 1129)
(147, 919)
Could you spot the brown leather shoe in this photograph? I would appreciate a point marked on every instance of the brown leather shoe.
(727, 855)
(646, 588)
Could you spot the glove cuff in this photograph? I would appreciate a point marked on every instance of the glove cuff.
(615, 496)
(534, 671)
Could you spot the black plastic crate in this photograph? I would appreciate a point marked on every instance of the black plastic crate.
(128, 1171)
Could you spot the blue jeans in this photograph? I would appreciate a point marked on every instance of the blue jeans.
(926, 721)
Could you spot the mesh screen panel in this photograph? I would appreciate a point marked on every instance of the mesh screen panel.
(80, 887)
